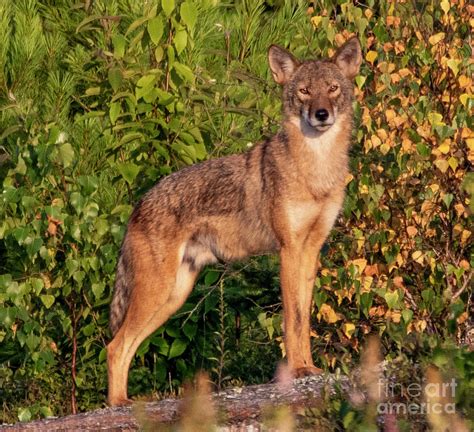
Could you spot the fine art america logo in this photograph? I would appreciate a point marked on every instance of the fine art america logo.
(419, 398)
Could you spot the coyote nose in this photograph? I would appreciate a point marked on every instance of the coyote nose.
(321, 114)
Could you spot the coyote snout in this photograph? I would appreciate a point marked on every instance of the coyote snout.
(282, 196)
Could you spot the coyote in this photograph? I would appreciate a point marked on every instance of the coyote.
(283, 195)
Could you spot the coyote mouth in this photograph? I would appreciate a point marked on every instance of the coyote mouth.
(323, 127)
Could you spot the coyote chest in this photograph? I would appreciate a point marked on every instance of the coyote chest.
(323, 160)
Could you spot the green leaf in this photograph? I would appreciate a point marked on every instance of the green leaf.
(211, 277)
(190, 330)
(319, 298)
(20, 166)
(129, 171)
(366, 300)
(115, 78)
(177, 348)
(348, 419)
(119, 43)
(5, 281)
(168, 6)
(77, 201)
(155, 29)
(180, 40)
(407, 315)
(132, 136)
(427, 295)
(98, 289)
(161, 344)
(135, 24)
(66, 154)
(146, 80)
(24, 414)
(88, 329)
(392, 299)
(448, 199)
(114, 111)
(89, 184)
(184, 72)
(47, 300)
(188, 13)
(164, 98)
(102, 355)
(159, 54)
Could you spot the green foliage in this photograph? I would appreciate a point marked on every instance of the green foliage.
(100, 99)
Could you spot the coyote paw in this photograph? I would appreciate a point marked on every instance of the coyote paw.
(120, 402)
(307, 371)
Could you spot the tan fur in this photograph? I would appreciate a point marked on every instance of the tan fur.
(282, 196)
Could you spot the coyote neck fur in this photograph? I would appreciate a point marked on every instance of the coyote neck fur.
(321, 159)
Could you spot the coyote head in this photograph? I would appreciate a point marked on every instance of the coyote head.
(316, 92)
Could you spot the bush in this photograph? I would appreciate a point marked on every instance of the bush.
(101, 99)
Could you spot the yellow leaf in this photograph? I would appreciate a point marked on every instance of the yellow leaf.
(316, 20)
(436, 38)
(470, 143)
(384, 149)
(360, 263)
(464, 97)
(380, 87)
(348, 329)
(442, 165)
(412, 231)
(371, 56)
(465, 235)
(404, 72)
(453, 65)
(328, 314)
(395, 78)
(390, 114)
(453, 163)
(459, 209)
(464, 81)
(445, 147)
(417, 257)
(325, 272)
(395, 316)
(375, 140)
(407, 145)
(435, 119)
(420, 325)
(445, 5)
(382, 134)
(366, 284)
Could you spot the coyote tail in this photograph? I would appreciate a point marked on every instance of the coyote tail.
(122, 290)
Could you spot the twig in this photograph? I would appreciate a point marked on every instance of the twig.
(463, 287)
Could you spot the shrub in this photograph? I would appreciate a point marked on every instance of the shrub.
(101, 99)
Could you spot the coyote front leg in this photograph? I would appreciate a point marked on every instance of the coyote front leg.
(297, 273)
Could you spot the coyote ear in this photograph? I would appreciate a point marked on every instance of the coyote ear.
(349, 57)
(282, 64)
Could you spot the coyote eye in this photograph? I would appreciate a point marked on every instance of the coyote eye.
(333, 88)
(304, 91)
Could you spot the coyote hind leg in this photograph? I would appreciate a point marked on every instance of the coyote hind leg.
(159, 290)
